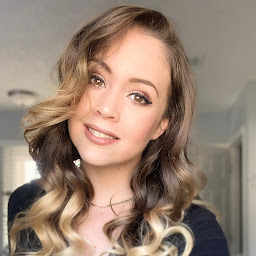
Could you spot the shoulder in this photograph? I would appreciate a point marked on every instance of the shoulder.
(22, 199)
(209, 237)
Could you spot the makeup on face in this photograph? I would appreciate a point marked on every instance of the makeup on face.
(122, 109)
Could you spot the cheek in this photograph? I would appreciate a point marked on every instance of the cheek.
(75, 128)
(142, 129)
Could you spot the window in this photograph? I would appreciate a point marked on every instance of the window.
(18, 168)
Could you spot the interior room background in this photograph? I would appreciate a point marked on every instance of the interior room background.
(220, 41)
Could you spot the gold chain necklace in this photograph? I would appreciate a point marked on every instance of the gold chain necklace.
(110, 205)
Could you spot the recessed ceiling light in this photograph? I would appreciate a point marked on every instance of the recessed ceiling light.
(197, 61)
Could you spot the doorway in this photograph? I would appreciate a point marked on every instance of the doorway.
(236, 195)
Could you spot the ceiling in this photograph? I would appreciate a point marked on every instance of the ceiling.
(219, 37)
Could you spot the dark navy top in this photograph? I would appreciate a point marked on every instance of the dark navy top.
(209, 237)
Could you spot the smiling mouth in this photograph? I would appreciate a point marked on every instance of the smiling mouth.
(100, 134)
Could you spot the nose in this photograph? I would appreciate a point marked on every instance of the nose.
(109, 106)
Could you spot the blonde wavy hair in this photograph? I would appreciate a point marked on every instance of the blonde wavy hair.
(164, 184)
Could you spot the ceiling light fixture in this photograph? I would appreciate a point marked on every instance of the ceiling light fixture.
(23, 98)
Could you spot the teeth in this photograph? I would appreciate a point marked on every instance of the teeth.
(100, 134)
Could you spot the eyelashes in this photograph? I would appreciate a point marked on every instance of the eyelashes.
(139, 98)
(97, 81)
(136, 97)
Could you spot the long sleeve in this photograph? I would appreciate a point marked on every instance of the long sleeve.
(209, 237)
(21, 200)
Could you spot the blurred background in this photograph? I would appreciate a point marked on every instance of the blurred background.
(219, 40)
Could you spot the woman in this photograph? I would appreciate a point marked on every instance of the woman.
(124, 109)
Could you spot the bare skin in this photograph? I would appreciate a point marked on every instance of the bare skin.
(92, 228)
(108, 184)
(117, 107)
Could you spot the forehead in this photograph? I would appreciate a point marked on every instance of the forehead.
(138, 54)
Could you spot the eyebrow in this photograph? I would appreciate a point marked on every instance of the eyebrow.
(132, 79)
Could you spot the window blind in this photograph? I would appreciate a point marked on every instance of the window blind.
(18, 168)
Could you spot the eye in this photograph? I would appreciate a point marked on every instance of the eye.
(139, 98)
(97, 81)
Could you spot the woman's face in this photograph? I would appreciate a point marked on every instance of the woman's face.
(122, 109)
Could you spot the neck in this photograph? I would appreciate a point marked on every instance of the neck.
(110, 183)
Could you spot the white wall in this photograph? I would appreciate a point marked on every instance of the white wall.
(220, 129)
(251, 166)
(243, 113)
(209, 128)
(10, 126)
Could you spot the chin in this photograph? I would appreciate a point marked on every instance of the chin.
(96, 160)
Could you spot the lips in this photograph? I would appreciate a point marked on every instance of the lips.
(99, 132)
